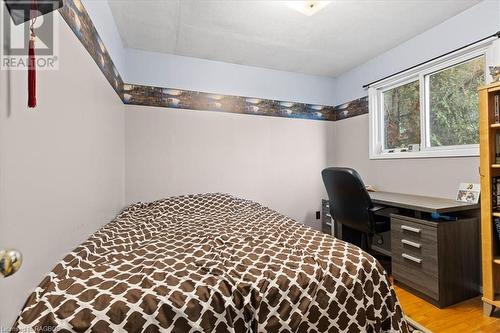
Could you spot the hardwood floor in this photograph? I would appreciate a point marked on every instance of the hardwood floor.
(465, 317)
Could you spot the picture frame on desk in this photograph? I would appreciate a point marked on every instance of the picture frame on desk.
(469, 192)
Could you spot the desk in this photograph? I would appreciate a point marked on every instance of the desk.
(436, 260)
(421, 203)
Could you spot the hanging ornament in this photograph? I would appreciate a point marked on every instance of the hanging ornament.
(32, 63)
(22, 11)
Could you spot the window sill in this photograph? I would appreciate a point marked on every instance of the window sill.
(469, 152)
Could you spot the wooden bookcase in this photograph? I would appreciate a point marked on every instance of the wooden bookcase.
(488, 130)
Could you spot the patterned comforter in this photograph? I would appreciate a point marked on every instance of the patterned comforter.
(212, 263)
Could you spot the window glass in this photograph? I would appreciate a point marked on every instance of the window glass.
(454, 104)
(402, 116)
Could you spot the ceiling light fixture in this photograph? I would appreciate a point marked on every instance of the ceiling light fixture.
(308, 7)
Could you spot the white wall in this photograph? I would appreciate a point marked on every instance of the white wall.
(172, 71)
(433, 177)
(61, 165)
(274, 161)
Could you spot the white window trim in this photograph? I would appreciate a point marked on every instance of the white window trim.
(490, 50)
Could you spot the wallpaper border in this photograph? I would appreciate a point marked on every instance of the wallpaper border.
(196, 100)
(77, 18)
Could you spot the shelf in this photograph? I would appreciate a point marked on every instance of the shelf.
(494, 88)
(494, 302)
(490, 87)
(489, 169)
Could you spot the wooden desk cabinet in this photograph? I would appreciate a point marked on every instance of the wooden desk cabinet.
(437, 260)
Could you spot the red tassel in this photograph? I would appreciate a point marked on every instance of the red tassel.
(31, 74)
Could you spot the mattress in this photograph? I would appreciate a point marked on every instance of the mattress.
(212, 263)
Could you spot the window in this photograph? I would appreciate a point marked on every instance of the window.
(454, 104)
(402, 116)
(430, 111)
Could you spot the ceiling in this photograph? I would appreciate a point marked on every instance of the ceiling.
(269, 34)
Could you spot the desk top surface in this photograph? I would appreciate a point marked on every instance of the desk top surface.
(420, 203)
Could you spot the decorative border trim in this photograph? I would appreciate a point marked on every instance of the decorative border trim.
(77, 18)
(195, 100)
(79, 21)
(351, 109)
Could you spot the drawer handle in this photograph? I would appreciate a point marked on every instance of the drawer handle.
(412, 258)
(410, 243)
(407, 228)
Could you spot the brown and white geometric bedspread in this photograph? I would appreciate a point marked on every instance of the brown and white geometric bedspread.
(212, 263)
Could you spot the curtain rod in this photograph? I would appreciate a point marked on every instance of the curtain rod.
(496, 35)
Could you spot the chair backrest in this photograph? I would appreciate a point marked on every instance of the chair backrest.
(350, 203)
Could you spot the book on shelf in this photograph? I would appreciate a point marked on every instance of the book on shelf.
(496, 232)
(495, 195)
(497, 109)
(497, 148)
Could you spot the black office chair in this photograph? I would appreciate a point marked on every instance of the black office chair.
(352, 207)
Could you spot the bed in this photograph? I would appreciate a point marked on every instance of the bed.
(212, 263)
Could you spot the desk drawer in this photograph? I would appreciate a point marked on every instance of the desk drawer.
(422, 244)
(416, 278)
(411, 235)
(415, 255)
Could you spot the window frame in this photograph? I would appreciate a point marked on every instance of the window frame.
(422, 75)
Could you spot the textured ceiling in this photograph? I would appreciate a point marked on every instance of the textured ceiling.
(269, 34)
